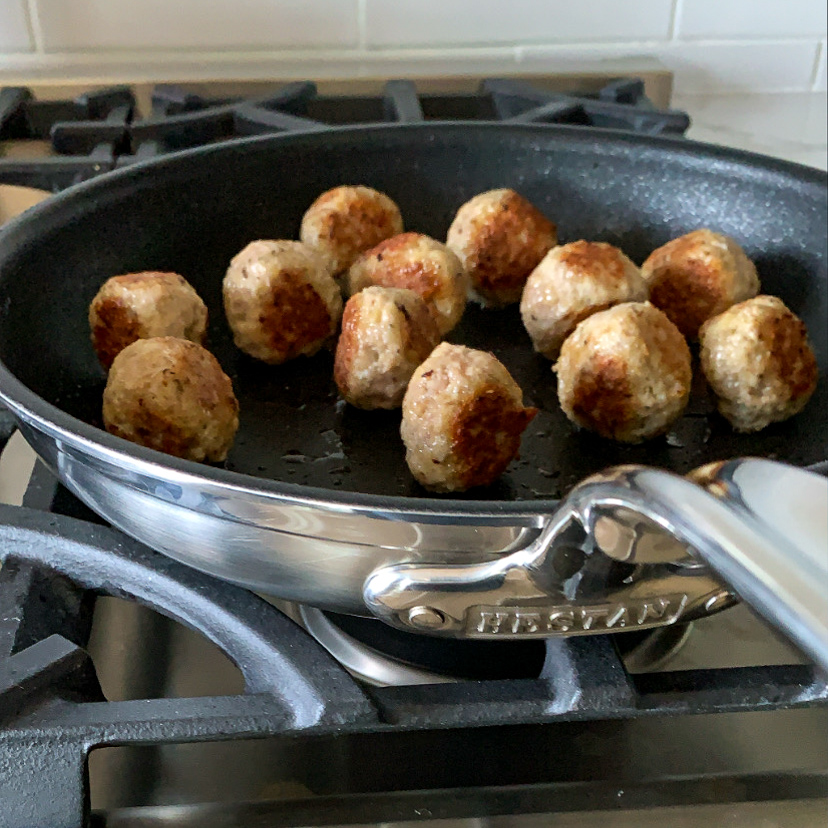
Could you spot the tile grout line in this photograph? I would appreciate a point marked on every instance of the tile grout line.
(675, 16)
(584, 49)
(821, 58)
(558, 57)
(35, 29)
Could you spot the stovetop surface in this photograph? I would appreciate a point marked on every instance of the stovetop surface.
(207, 706)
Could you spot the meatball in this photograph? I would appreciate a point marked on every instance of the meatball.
(500, 239)
(757, 359)
(386, 334)
(280, 300)
(462, 418)
(421, 264)
(625, 373)
(345, 221)
(171, 395)
(697, 276)
(141, 305)
(571, 283)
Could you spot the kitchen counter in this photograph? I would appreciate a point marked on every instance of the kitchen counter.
(785, 125)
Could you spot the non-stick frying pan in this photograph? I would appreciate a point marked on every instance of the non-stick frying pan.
(315, 503)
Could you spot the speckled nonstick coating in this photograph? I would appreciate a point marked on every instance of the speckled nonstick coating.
(192, 212)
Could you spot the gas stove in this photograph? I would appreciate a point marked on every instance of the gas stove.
(135, 691)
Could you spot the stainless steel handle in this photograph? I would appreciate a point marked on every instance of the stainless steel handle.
(565, 583)
(772, 545)
(763, 526)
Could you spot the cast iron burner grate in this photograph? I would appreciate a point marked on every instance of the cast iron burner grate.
(100, 131)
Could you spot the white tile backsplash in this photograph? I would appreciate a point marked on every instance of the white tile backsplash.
(703, 67)
(709, 44)
(790, 125)
(766, 116)
(766, 67)
(464, 22)
(746, 19)
(70, 25)
(14, 27)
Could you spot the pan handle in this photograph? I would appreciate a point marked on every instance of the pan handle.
(771, 545)
(760, 525)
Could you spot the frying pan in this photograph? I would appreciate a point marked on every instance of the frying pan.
(314, 503)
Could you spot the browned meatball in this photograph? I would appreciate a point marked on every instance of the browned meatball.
(141, 305)
(280, 300)
(572, 282)
(500, 238)
(421, 264)
(757, 358)
(463, 416)
(171, 395)
(697, 276)
(347, 220)
(386, 334)
(625, 373)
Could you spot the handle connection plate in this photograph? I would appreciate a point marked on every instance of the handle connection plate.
(601, 564)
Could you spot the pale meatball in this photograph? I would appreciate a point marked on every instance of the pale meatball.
(462, 419)
(500, 238)
(386, 334)
(345, 221)
(281, 301)
(697, 276)
(421, 264)
(625, 373)
(141, 305)
(757, 359)
(171, 395)
(571, 283)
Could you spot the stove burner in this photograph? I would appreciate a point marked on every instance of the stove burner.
(99, 131)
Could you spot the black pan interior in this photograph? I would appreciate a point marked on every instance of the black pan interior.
(192, 213)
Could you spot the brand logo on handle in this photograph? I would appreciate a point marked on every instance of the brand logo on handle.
(527, 622)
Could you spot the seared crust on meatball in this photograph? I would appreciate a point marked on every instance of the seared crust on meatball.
(625, 373)
(500, 238)
(421, 264)
(572, 282)
(280, 300)
(142, 305)
(345, 221)
(386, 334)
(171, 395)
(697, 276)
(463, 416)
(759, 362)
